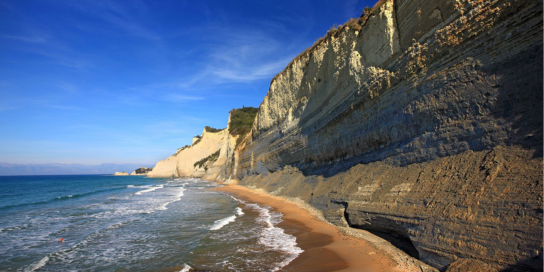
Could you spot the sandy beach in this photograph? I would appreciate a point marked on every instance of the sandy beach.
(325, 247)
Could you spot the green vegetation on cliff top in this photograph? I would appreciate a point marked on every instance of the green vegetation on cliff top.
(212, 130)
(241, 120)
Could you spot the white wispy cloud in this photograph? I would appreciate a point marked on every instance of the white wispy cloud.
(28, 39)
(172, 97)
(63, 107)
(239, 55)
(47, 46)
(266, 70)
(119, 16)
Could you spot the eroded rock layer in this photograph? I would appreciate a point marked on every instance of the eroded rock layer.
(425, 126)
(484, 205)
(472, 83)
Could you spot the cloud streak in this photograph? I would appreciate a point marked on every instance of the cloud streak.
(121, 17)
(180, 97)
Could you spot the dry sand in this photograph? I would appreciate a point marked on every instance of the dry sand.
(325, 247)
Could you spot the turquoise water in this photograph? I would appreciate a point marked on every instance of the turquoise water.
(132, 223)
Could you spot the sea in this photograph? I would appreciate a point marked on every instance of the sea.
(134, 223)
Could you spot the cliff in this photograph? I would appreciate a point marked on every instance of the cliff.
(421, 123)
(184, 162)
(473, 82)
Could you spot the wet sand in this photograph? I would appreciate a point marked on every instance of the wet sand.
(325, 247)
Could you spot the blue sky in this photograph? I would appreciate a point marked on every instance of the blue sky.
(131, 81)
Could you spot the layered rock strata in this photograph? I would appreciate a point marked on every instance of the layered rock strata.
(483, 205)
(472, 83)
(424, 126)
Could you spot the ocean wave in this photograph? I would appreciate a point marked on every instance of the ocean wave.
(60, 198)
(149, 190)
(37, 265)
(68, 196)
(143, 203)
(223, 222)
(25, 226)
(62, 254)
(186, 268)
(274, 237)
(237, 200)
(118, 224)
(178, 197)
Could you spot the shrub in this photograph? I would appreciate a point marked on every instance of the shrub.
(181, 149)
(197, 141)
(241, 121)
(143, 170)
(212, 130)
(207, 161)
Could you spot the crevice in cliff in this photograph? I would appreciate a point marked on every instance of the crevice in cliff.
(395, 15)
(397, 239)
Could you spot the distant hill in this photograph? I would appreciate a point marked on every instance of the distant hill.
(8, 169)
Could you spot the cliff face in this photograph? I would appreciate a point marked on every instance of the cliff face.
(484, 205)
(425, 125)
(211, 157)
(473, 82)
(182, 164)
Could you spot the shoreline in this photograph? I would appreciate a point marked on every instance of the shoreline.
(326, 247)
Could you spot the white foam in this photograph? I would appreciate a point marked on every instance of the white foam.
(186, 268)
(275, 238)
(38, 265)
(239, 211)
(237, 200)
(24, 226)
(178, 195)
(118, 225)
(130, 186)
(149, 190)
(223, 222)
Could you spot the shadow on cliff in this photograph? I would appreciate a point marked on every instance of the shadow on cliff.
(512, 115)
(400, 242)
(527, 265)
(520, 99)
(391, 234)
